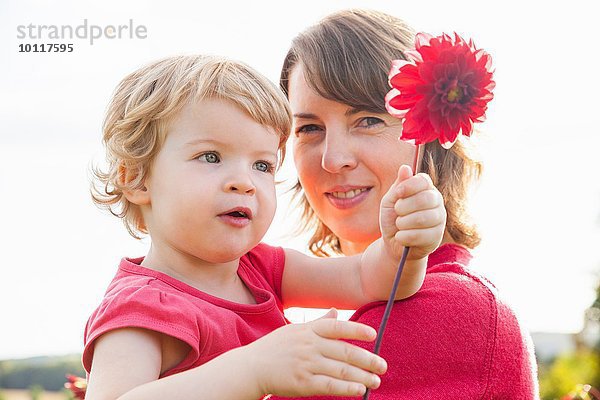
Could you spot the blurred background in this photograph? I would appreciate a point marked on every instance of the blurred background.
(538, 204)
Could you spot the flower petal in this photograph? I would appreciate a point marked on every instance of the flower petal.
(414, 55)
(396, 65)
(390, 109)
(422, 39)
(442, 91)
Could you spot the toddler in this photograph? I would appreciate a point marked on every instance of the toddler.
(192, 145)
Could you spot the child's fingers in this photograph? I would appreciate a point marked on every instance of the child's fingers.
(424, 200)
(333, 329)
(417, 237)
(328, 385)
(413, 185)
(345, 372)
(331, 313)
(353, 356)
(422, 219)
(404, 173)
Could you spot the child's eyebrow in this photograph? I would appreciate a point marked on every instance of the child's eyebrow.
(267, 153)
(223, 144)
(203, 141)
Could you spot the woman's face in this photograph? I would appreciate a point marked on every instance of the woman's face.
(346, 160)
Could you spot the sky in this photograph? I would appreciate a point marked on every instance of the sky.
(538, 205)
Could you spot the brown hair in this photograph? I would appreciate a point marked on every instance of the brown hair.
(145, 102)
(346, 58)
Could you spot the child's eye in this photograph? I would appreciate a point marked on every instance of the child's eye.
(368, 122)
(210, 157)
(264, 166)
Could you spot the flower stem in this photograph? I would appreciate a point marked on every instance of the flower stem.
(390, 303)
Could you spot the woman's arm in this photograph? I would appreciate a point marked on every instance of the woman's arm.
(513, 369)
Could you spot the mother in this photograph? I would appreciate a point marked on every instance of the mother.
(454, 339)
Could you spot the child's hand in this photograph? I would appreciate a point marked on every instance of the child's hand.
(308, 359)
(412, 214)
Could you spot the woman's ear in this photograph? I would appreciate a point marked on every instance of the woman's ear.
(139, 196)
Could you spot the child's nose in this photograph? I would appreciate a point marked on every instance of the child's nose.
(242, 184)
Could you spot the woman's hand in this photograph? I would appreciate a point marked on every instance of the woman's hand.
(309, 359)
(412, 214)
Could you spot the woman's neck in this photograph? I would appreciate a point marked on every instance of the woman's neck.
(352, 248)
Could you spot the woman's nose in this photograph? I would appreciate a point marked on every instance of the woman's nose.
(338, 153)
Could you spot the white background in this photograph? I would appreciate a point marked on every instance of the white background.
(538, 204)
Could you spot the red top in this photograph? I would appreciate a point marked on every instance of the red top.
(144, 298)
(454, 339)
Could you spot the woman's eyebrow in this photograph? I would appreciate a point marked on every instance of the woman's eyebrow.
(305, 116)
(351, 111)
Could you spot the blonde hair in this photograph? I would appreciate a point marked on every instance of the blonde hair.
(346, 58)
(145, 102)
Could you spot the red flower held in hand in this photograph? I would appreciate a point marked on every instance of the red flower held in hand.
(442, 91)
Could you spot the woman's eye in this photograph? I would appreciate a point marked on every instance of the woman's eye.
(263, 166)
(307, 129)
(210, 157)
(369, 122)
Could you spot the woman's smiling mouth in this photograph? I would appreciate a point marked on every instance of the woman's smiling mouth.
(347, 197)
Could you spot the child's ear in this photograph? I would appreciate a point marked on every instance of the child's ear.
(136, 196)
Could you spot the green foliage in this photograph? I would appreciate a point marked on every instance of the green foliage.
(68, 395)
(35, 392)
(47, 372)
(567, 372)
(593, 314)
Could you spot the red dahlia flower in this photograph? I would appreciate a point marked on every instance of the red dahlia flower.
(76, 385)
(442, 91)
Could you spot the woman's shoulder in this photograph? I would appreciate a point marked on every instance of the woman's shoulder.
(459, 323)
(448, 274)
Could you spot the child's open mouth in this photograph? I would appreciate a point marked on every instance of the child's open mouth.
(238, 216)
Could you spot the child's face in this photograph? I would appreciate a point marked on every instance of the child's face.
(211, 186)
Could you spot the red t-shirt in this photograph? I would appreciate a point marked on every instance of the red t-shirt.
(144, 298)
(454, 339)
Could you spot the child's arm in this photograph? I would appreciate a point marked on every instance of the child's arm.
(412, 214)
(294, 360)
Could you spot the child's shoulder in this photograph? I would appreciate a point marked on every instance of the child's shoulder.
(136, 290)
(137, 297)
(264, 249)
(132, 279)
(263, 255)
(263, 266)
